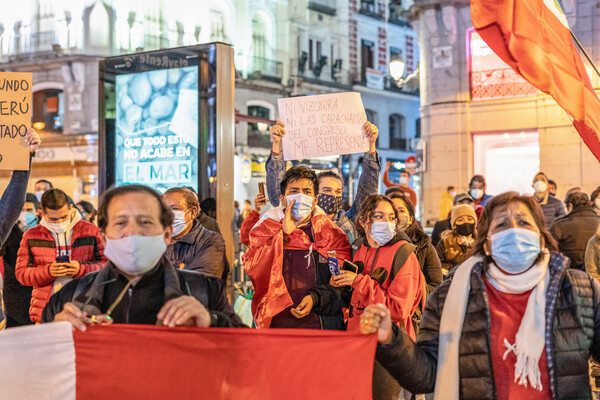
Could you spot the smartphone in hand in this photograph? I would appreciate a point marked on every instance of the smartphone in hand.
(261, 188)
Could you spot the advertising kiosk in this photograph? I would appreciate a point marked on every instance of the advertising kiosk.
(167, 119)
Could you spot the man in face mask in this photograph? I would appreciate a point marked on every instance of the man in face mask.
(16, 296)
(41, 187)
(60, 248)
(403, 184)
(139, 285)
(331, 187)
(551, 206)
(477, 188)
(287, 259)
(193, 246)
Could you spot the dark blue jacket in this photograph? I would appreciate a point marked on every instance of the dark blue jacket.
(12, 202)
(200, 250)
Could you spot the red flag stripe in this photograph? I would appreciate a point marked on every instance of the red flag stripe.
(529, 37)
(149, 362)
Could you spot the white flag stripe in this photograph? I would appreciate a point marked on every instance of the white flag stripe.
(37, 362)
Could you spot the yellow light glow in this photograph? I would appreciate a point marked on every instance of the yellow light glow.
(39, 126)
(211, 179)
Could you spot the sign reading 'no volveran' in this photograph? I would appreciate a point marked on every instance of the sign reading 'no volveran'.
(15, 119)
(323, 125)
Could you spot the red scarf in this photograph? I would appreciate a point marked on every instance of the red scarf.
(264, 260)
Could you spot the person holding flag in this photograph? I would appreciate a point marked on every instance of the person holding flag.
(287, 259)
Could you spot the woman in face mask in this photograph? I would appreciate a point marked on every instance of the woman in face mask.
(512, 322)
(455, 245)
(388, 273)
(426, 254)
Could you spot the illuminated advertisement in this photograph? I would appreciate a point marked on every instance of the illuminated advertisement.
(157, 128)
(157, 124)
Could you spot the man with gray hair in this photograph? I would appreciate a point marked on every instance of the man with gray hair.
(193, 246)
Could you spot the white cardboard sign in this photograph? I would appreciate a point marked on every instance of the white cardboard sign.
(323, 125)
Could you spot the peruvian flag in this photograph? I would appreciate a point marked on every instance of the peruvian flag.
(49, 361)
(533, 37)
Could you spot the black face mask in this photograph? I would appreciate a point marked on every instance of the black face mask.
(465, 229)
(329, 203)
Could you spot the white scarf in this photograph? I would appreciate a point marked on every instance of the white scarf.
(529, 341)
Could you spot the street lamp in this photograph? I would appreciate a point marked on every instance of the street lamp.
(396, 67)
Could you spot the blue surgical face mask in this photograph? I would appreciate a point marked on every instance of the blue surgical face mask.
(28, 219)
(514, 250)
(302, 206)
(382, 232)
(476, 193)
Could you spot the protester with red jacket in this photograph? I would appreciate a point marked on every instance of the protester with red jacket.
(61, 248)
(389, 273)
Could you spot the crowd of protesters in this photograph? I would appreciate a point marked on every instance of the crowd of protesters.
(504, 293)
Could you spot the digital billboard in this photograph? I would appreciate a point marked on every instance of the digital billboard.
(157, 128)
(158, 119)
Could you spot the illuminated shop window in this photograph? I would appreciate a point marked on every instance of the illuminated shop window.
(492, 78)
(48, 110)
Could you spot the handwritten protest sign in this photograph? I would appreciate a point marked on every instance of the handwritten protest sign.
(15, 119)
(322, 125)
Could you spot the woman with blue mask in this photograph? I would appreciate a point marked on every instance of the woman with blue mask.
(388, 273)
(512, 322)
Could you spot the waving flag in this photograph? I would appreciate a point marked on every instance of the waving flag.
(533, 37)
(49, 362)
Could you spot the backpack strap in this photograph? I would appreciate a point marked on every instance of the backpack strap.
(355, 246)
(400, 258)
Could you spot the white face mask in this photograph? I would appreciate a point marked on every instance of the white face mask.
(382, 232)
(135, 255)
(597, 202)
(302, 206)
(453, 194)
(540, 187)
(58, 228)
(404, 180)
(179, 224)
(39, 195)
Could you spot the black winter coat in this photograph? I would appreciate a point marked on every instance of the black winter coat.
(142, 302)
(573, 232)
(572, 306)
(17, 297)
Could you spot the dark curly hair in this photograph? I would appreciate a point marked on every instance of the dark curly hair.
(367, 209)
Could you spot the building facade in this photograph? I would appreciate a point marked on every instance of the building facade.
(282, 48)
(480, 117)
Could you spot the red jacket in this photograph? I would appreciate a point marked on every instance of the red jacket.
(38, 250)
(247, 226)
(401, 295)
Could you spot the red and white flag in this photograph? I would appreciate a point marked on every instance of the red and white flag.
(533, 37)
(49, 361)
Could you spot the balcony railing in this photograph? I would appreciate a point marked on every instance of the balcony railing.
(39, 42)
(323, 6)
(368, 7)
(400, 144)
(265, 69)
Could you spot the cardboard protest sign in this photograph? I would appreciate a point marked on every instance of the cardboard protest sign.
(323, 125)
(15, 119)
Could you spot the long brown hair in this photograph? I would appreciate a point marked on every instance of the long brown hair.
(504, 199)
(367, 209)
